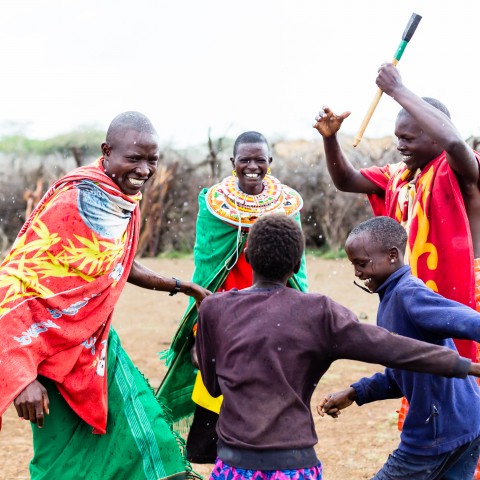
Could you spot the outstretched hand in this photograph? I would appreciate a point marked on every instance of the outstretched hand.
(327, 123)
(334, 402)
(32, 403)
(196, 291)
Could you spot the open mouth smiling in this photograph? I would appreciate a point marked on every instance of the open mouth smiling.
(136, 182)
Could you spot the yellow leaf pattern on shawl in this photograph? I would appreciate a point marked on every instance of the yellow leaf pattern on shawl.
(91, 254)
(45, 240)
(25, 271)
(420, 245)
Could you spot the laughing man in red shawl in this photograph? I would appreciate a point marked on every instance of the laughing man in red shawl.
(434, 191)
(58, 288)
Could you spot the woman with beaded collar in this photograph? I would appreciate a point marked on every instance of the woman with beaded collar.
(227, 210)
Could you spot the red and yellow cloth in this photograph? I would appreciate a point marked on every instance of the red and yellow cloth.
(439, 249)
(58, 288)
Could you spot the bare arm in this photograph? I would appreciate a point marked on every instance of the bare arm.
(142, 276)
(345, 177)
(433, 122)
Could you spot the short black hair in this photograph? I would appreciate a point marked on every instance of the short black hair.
(434, 103)
(275, 246)
(383, 231)
(249, 137)
(129, 120)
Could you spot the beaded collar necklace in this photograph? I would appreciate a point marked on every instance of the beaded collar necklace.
(227, 202)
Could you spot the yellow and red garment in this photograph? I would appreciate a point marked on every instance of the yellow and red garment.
(439, 249)
(58, 288)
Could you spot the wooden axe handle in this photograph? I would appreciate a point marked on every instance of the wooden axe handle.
(407, 35)
(368, 116)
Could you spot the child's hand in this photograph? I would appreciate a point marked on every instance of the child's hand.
(196, 291)
(334, 402)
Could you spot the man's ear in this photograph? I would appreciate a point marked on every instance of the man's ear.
(393, 254)
(106, 149)
(246, 255)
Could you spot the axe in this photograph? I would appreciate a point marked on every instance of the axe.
(407, 35)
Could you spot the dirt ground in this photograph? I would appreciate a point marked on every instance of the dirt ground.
(354, 446)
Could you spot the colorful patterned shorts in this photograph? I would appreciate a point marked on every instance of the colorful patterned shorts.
(222, 471)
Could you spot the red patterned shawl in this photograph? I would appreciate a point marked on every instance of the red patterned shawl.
(58, 288)
(439, 249)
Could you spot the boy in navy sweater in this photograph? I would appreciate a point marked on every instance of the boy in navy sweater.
(440, 437)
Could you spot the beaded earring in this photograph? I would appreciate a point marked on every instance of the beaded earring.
(269, 170)
(234, 173)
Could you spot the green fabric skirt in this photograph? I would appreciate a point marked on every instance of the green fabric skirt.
(139, 443)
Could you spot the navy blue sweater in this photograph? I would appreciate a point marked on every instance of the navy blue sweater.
(444, 413)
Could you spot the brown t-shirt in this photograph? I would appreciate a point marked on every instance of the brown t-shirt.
(266, 350)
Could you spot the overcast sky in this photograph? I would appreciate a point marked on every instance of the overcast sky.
(265, 65)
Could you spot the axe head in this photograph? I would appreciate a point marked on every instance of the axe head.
(411, 27)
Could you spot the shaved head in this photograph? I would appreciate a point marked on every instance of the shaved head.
(130, 151)
(129, 121)
(382, 231)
